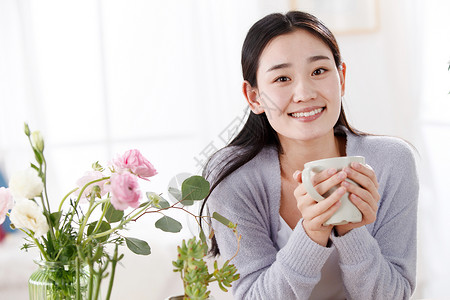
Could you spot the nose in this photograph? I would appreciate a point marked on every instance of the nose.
(304, 91)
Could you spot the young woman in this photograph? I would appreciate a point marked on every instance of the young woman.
(294, 80)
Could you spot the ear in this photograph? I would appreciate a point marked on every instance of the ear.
(252, 96)
(342, 72)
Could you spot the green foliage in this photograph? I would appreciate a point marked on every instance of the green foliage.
(79, 237)
(157, 201)
(194, 271)
(113, 215)
(168, 224)
(138, 246)
(95, 228)
(194, 188)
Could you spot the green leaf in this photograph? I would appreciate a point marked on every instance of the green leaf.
(144, 204)
(223, 220)
(157, 201)
(194, 188)
(176, 193)
(168, 224)
(34, 167)
(202, 236)
(38, 156)
(138, 246)
(113, 215)
(104, 226)
(54, 218)
(164, 203)
(98, 253)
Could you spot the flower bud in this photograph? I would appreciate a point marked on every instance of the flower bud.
(26, 129)
(37, 140)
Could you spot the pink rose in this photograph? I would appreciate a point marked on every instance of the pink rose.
(6, 203)
(133, 161)
(88, 177)
(124, 190)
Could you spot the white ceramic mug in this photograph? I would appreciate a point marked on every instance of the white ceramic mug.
(347, 212)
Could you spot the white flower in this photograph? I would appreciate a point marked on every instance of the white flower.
(27, 214)
(26, 184)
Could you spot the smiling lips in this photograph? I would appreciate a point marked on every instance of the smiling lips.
(307, 115)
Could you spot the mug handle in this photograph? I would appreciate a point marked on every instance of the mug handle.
(306, 180)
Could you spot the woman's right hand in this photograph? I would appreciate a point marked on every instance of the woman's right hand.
(315, 213)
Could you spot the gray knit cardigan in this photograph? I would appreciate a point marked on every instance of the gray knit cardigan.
(377, 261)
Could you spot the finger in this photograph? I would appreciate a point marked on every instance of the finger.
(361, 193)
(323, 207)
(297, 176)
(368, 211)
(362, 179)
(323, 175)
(334, 180)
(366, 170)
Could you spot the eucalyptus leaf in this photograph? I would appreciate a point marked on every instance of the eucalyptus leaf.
(223, 220)
(104, 226)
(168, 224)
(164, 203)
(187, 202)
(202, 235)
(194, 188)
(113, 215)
(176, 193)
(138, 246)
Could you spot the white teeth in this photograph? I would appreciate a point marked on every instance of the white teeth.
(307, 114)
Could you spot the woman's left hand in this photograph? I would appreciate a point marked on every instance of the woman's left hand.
(365, 195)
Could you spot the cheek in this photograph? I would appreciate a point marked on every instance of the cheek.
(274, 102)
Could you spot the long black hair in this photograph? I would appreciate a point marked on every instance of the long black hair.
(257, 132)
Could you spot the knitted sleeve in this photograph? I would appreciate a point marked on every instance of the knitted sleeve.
(378, 261)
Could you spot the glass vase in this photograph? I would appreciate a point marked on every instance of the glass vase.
(57, 281)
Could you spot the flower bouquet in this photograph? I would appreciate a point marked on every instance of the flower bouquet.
(76, 239)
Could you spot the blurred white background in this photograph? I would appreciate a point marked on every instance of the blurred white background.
(100, 77)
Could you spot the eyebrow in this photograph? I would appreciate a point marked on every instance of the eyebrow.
(287, 65)
(279, 66)
(317, 57)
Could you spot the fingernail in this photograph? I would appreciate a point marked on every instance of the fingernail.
(331, 171)
(295, 175)
(355, 165)
(345, 183)
(342, 190)
(342, 175)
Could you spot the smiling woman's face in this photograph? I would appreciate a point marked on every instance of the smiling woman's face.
(299, 86)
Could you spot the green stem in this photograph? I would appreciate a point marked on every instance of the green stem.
(120, 226)
(77, 269)
(85, 219)
(81, 193)
(65, 197)
(98, 280)
(101, 217)
(45, 182)
(91, 280)
(43, 252)
(113, 272)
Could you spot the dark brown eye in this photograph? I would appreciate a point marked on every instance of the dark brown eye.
(318, 71)
(282, 79)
